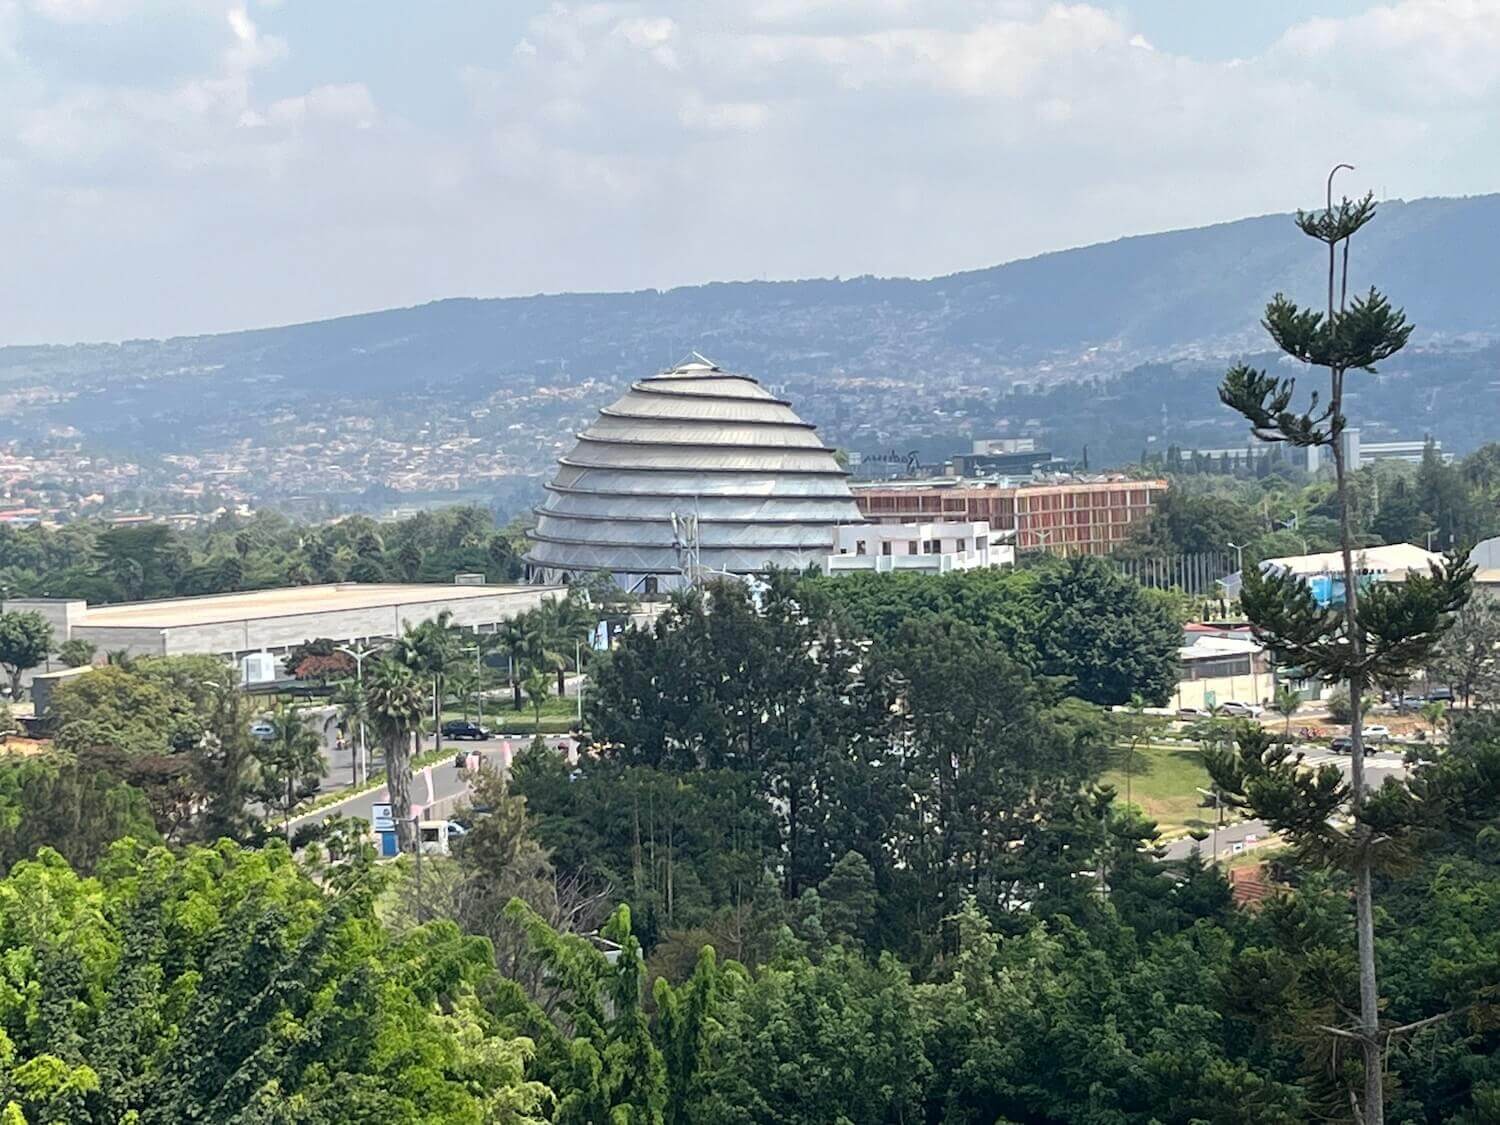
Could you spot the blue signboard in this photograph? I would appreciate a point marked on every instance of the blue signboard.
(381, 819)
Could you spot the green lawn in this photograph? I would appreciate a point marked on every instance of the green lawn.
(1164, 784)
(558, 715)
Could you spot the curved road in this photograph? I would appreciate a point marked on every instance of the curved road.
(1238, 835)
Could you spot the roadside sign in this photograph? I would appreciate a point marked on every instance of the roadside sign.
(381, 819)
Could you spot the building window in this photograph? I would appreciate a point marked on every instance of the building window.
(859, 547)
(885, 548)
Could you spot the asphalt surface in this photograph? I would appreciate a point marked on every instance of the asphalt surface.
(1235, 836)
(447, 779)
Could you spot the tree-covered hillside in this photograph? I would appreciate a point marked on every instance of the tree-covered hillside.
(1096, 312)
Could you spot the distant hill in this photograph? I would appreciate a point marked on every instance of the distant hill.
(1085, 313)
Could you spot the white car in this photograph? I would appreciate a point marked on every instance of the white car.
(1377, 732)
(1242, 710)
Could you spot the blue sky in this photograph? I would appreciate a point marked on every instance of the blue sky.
(177, 166)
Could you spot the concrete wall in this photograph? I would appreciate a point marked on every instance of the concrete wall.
(60, 613)
(135, 642)
(1255, 688)
(280, 633)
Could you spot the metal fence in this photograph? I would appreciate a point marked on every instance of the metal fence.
(1195, 574)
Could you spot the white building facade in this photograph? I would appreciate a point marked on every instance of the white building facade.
(929, 548)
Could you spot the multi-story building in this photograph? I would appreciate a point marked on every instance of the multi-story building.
(1359, 454)
(935, 547)
(1084, 516)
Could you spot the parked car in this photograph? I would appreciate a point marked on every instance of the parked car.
(462, 728)
(1343, 744)
(1191, 713)
(1239, 710)
(263, 730)
(1377, 732)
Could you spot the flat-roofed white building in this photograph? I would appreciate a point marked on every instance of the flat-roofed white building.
(1220, 669)
(277, 620)
(929, 548)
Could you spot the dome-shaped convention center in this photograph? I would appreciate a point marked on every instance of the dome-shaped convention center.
(695, 470)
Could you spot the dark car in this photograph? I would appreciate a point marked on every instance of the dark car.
(462, 728)
(1343, 744)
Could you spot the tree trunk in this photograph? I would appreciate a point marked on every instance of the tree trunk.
(398, 782)
(290, 799)
(437, 713)
(1364, 907)
(562, 684)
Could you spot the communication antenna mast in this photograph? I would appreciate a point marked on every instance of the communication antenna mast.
(685, 542)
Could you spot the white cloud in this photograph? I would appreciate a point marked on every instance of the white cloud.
(742, 117)
(350, 103)
(84, 11)
(652, 142)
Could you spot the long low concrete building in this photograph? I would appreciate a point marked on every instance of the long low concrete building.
(277, 620)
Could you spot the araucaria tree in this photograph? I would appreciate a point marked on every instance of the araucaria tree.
(1381, 632)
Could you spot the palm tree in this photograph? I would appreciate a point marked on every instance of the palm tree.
(1285, 703)
(350, 715)
(291, 755)
(511, 638)
(427, 650)
(463, 682)
(1434, 713)
(77, 652)
(537, 685)
(396, 700)
(567, 625)
(543, 650)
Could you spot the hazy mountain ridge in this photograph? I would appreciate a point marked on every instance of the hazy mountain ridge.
(1090, 312)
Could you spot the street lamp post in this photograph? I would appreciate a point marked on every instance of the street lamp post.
(358, 656)
(1239, 557)
(578, 664)
(1291, 525)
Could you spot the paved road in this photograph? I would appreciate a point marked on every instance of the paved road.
(1238, 835)
(447, 781)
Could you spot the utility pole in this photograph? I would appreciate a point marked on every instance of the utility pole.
(416, 826)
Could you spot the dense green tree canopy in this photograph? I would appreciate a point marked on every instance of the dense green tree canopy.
(101, 562)
(227, 985)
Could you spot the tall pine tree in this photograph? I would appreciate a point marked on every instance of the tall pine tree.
(1378, 633)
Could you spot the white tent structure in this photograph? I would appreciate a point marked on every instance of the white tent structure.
(694, 470)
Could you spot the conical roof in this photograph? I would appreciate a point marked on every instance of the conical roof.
(693, 441)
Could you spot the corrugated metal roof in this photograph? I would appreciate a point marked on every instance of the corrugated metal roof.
(637, 405)
(693, 441)
(647, 457)
(704, 431)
